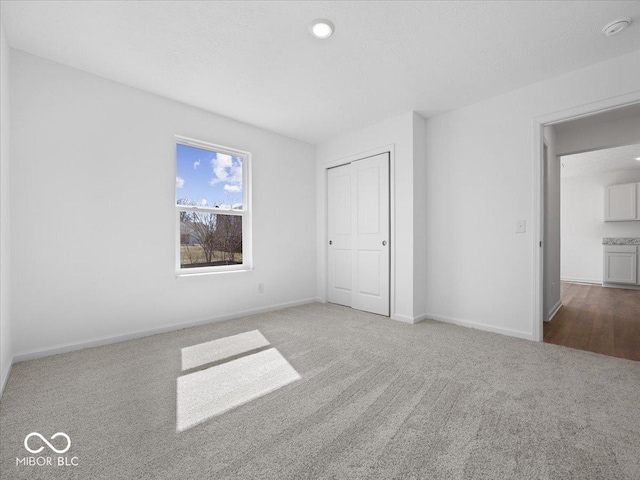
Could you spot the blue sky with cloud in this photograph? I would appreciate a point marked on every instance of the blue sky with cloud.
(207, 178)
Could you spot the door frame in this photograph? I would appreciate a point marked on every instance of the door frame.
(323, 267)
(545, 226)
(538, 189)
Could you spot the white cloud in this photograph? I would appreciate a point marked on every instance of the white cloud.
(179, 182)
(232, 188)
(236, 173)
(226, 170)
(203, 202)
(220, 164)
(196, 164)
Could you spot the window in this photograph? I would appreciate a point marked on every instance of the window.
(212, 208)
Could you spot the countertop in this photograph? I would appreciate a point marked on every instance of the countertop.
(621, 241)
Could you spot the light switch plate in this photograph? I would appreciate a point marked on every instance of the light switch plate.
(521, 226)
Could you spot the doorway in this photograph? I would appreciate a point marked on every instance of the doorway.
(358, 227)
(582, 158)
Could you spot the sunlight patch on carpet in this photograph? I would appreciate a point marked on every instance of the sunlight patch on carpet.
(222, 348)
(207, 393)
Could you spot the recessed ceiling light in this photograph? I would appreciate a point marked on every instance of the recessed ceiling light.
(637, 158)
(321, 28)
(616, 26)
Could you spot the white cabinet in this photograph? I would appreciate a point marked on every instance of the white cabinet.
(621, 264)
(622, 202)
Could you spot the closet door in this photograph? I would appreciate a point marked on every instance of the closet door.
(370, 234)
(340, 232)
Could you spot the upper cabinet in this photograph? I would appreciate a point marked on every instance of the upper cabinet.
(622, 202)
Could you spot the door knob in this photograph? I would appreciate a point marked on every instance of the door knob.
(330, 242)
(384, 243)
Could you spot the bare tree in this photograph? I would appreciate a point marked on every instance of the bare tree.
(228, 236)
(204, 234)
(184, 216)
(191, 252)
(203, 227)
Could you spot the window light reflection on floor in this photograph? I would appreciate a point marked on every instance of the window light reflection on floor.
(206, 393)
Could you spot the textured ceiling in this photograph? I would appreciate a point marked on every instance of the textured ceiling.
(609, 159)
(256, 62)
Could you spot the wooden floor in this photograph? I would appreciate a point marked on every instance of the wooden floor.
(597, 319)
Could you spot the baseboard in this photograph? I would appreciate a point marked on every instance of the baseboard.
(402, 318)
(480, 326)
(5, 377)
(69, 347)
(595, 281)
(622, 285)
(407, 319)
(420, 318)
(554, 310)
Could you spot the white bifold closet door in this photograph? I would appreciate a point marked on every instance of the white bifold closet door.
(358, 230)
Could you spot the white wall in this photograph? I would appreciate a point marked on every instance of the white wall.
(576, 138)
(480, 179)
(93, 217)
(419, 217)
(6, 353)
(399, 132)
(552, 249)
(583, 225)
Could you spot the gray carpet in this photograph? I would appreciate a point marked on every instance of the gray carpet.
(377, 399)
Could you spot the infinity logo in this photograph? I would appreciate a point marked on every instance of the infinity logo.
(55, 435)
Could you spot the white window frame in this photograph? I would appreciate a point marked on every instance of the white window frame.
(245, 212)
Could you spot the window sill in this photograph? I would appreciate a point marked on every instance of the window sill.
(182, 275)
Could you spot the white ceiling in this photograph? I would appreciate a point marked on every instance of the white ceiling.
(599, 161)
(256, 62)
